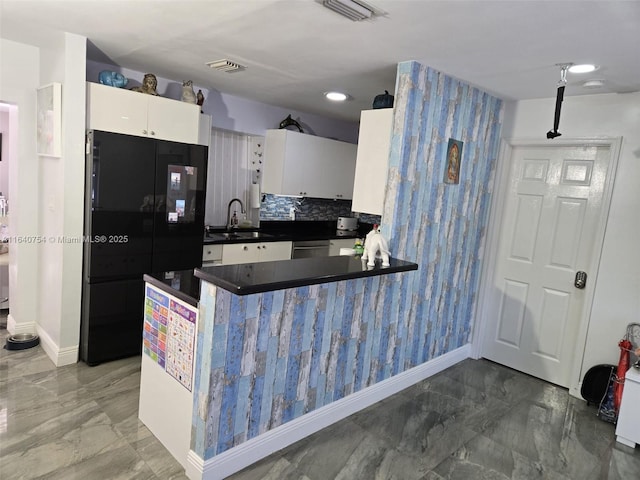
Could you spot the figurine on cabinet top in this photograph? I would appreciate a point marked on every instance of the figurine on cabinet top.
(188, 95)
(113, 79)
(288, 122)
(149, 85)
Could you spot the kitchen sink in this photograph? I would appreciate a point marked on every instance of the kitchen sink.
(239, 235)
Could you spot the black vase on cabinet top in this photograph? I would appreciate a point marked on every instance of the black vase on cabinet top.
(384, 100)
(144, 213)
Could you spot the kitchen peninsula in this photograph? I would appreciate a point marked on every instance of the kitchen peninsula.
(270, 342)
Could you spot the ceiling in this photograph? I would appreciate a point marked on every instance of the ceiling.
(295, 50)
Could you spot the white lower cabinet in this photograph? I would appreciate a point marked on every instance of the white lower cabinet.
(628, 425)
(211, 255)
(235, 253)
(336, 244)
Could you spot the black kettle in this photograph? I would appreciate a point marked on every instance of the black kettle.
(383, 101)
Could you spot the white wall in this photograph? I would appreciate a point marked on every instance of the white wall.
(74, 122)
(617, 293)
(61, 203)
(254, 118)
(46, 194)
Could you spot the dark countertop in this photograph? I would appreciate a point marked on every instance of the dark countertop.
(285, 231)
(182, 284)
(248, 278)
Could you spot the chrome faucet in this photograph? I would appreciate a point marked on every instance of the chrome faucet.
(242, 210)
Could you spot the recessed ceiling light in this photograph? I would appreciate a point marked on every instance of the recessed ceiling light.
(593, 84)
(336, 96)
(584, 68)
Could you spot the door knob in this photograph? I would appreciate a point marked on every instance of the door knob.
(581, 280)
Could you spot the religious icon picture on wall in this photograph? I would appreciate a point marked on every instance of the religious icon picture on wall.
(454, 155)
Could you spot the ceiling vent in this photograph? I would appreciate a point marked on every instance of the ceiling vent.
(353, 10)
(225, 65)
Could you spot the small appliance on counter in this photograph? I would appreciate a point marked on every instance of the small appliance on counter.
(347, 227)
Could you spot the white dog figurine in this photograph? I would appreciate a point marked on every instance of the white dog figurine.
(375, 244)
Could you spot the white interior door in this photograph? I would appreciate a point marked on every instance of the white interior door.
(549, 231)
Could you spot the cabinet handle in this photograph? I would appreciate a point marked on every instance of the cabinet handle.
(245, 248)
(152, 132)
(144, 131)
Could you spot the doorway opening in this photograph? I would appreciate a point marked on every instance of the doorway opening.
(8, 126)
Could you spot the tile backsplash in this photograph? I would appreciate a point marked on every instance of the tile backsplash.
(276, 207)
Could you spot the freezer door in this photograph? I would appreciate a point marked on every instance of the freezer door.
(112, 320)
(181, 174)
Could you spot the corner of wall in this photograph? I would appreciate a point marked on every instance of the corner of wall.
(59, 356)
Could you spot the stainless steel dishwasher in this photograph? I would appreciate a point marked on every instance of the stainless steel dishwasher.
(310, 248)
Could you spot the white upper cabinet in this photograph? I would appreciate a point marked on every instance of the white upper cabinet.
(118, 110)
(298, 164)
(372, 164)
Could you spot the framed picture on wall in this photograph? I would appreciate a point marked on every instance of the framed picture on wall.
(49, 121)
(454, 155)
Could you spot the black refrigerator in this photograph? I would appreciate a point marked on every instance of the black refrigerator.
(144, 213)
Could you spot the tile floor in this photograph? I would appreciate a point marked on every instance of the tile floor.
(476, 420)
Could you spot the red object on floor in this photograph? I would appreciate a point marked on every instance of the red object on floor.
(623, 366)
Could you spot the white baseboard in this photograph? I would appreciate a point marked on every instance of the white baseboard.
(576, 391)
(15, 328)
(249, 452)
(59, 356)
(68, 356)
